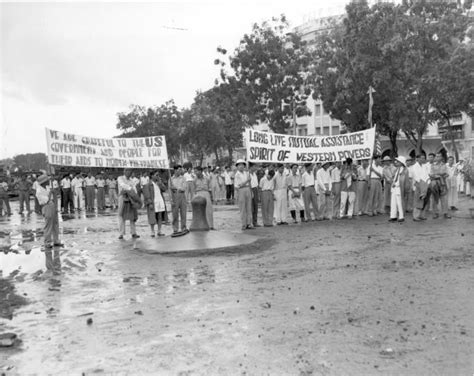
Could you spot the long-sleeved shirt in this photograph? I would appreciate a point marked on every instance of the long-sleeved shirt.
(336, 175)
(323, 181)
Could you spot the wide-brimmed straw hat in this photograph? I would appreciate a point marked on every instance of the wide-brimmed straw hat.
(402, 160)
(240, 161)
(43, 179)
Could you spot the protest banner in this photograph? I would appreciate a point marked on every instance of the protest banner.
(264, 147)
(66, 149)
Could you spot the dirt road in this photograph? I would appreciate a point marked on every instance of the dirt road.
(359, 297)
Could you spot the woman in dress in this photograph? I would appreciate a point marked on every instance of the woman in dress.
(155, 203)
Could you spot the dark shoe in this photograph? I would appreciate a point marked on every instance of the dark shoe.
(454, 208)
(152, 235)
(268, 225)
(120, 237)
(250, 227)
(48, 246)
(401, 220)
(447, 216)
(417, 219)
(392, 220)
(284, 223)
(135, 236)
(58, 244)
(423, 218)
(161, 234)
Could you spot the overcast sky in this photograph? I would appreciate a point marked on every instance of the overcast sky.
(73, 66)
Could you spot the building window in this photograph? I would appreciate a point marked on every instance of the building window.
(317, 131)
(335, 130)
(325, 112)
(317, 110)
(326, 131)
(303, 131)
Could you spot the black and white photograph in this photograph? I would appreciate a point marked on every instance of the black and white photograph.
(222, 187)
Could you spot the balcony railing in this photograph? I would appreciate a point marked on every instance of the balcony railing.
(458, 134)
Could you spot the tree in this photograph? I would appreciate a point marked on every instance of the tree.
(31, 162)
(163, 120)
(203, 131)
(428, 33)
(270, 66)
(397, 49)
(232, 106)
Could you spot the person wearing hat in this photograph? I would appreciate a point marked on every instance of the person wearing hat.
(324, 189)
(295, 193)
(388, 174)
(400, 184)
(44, 195)
(214, 182)
(242, 181)
(178, 200)
(438, 185)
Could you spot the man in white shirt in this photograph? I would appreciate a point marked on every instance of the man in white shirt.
(242, 181)
(48, 208)
(78, 191)
(229, 184)
(281, 196)
(189, 178)
(375, 198)
(452, 184)
(67, 195)
(362, 188)
(324, 188)
(310, 198)
(422, 192)
(89, 183)
(336, 189)
(267, 185)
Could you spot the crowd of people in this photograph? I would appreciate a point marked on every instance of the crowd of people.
(282, 193)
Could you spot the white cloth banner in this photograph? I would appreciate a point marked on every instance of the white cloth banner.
(66, 149)
(282, 148)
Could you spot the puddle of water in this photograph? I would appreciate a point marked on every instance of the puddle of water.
(25, 263)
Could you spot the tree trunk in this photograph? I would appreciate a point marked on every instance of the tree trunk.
(419, 143)
(216, 152)
(453, 142)
(230, 149)
(393, 141)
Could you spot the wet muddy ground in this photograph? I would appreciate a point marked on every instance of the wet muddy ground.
(359, 297)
